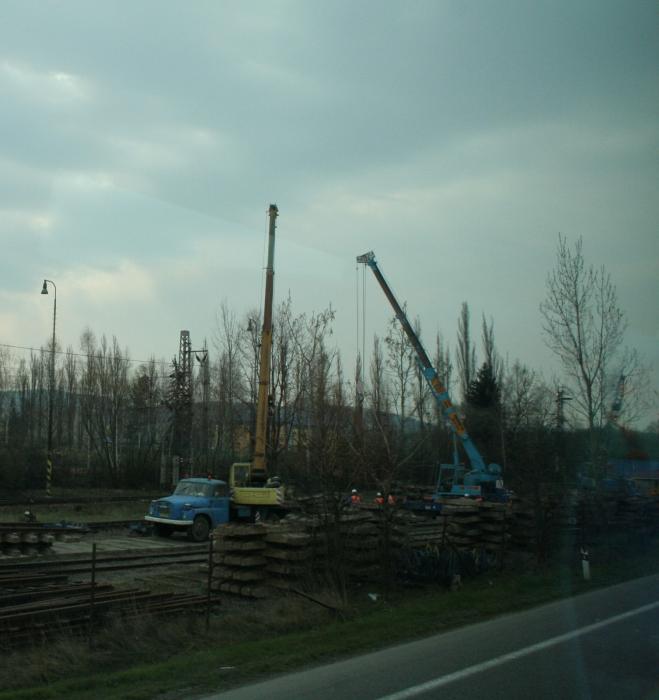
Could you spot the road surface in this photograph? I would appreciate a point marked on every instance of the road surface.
(603, 644)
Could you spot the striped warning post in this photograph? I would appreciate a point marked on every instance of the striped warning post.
(49, 474)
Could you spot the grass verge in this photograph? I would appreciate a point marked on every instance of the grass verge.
(248, 643)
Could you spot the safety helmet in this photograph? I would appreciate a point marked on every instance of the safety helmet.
(354, 490)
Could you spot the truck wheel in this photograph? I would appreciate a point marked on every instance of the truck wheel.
(163, 530)
(198, 531)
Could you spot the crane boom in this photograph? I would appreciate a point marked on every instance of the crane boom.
(252, 491)
(259, 469)
(438, 390)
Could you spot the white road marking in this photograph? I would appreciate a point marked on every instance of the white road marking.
(513, 655)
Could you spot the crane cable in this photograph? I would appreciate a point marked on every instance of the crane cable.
(363, 315)
(357, 329)
(360, 378)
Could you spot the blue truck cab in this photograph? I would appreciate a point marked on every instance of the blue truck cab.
(196, 507)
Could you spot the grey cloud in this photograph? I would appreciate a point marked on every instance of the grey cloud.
(455, 138)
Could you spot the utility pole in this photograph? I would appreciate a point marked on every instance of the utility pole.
(561, 398)
(181, 401)
(51, 391)
(202, 358)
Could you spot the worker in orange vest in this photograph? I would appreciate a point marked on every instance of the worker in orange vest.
(379, 499)
(391, 499)
(355, 498)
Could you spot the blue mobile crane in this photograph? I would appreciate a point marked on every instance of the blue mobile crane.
(481, 480)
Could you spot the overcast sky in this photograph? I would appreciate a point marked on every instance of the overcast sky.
(142, 142)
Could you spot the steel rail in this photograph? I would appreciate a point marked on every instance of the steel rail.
(62, 607)
(5, 580)
(31, 624)
(35, 579)
(46, 592)
(123, 555)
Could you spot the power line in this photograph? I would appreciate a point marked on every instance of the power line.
(13, 376)
(82, 354)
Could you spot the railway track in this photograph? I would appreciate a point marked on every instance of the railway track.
(17, 534)
(73, 500)
(64, 526)
(17, 571)
(38, 601)
(74, 611)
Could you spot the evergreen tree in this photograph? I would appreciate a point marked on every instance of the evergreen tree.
(484, 391)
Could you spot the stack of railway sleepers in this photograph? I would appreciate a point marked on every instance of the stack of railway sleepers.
(592, 514)
(494, 525)
(463, 522)
(412, 492)
(12, 534)
(523, 528)
(651, 512)
(319, 503)
(238, 560)
(632, 512)
(566, 512)
(289, 554)
(607, 507)
(362, 535)
(411, 530)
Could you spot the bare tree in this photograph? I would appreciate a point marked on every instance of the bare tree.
(314, 365)
(400, 362)
(5, 385)
(249, 351)
(465, 352)
(584, 326)
(528, 400)
(443, 362)
(379, 390)
(421, 394)
(228, 385)
(71, 395)
(388, 446)
(147, 423)
(104, 396)
(444, 365)
(492, 358)
(287, 389)
(639, 398)
(23, 410)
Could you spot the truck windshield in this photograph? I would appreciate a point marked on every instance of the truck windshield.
(189, 488)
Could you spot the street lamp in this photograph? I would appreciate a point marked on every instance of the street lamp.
(51, 392)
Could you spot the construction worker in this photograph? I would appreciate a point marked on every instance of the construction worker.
(355, 498)
(379, 499)
(391, 499)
